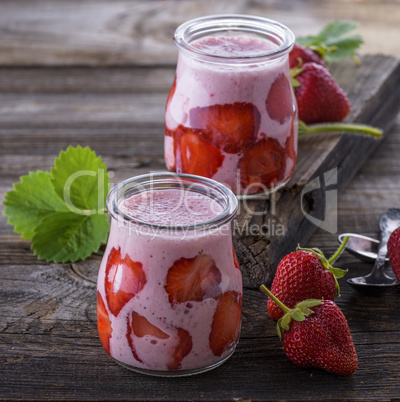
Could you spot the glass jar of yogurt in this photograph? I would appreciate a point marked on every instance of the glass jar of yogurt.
(169, 288)
(231, 114)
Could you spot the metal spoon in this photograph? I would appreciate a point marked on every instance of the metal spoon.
(378, 281)
(363, 247)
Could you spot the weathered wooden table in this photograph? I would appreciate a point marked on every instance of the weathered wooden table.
(97, 73)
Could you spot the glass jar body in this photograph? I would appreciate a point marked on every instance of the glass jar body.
(233, 119)
(149, 318)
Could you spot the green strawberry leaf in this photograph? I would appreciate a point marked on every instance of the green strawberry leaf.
(306, 311)
(31, 200)
(80, 178)
(309, 303)
(68, 237)
(297, 315)
(338, 272)
(345, 48)
(279, 329)
(333, 43)
(337, 29)
(285, 321)
(62, 212)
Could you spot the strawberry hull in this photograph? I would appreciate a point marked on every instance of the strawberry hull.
(231, 100)
(169, 323)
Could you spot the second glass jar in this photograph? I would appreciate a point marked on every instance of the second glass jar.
(231, 114)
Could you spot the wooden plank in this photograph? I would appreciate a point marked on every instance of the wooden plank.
(104, 33)
(50, 348)
(75, 80)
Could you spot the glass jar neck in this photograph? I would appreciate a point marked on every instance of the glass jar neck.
(190, 184)
(281, 37)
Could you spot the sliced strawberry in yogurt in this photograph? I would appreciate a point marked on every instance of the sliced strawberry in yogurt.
(193, 279)
(225, 328)
(230, 126)
(103, 324)
(124, 279)
(279, 101)
(262, 165)
(195, 155)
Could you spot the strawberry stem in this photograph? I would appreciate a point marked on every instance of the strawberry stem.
(264, 289)
(339, 251)
(305, 129)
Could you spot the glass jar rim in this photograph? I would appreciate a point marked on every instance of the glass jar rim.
(169, 180)
(192, 29)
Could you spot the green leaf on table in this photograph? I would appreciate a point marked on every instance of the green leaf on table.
(32, 199)
(80, 178)
(333, 43)
(62, 212)
(69, 237)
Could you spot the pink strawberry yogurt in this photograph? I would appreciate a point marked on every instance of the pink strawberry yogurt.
(169, 286)
(220, 73)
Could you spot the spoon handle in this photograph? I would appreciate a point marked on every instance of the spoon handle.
(378, 270)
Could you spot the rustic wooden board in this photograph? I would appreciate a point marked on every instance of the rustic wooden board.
(51, 97)
(374, 101)
(137, 32)
(50, 349)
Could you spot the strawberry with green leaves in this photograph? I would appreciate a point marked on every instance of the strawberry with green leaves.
(321, 102)
(315, 333)
(319, 97)
(300, 55)
(305, 274)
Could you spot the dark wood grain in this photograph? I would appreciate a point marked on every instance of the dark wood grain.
(121, 32)
(50, 330)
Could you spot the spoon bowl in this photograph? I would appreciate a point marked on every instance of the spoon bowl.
(363, 247)
(378, 281)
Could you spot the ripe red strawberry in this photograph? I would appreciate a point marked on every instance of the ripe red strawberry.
(304, 274)
(279, 101)
(225, 327)
(319, 98)
(300, 55)
(394, 251)
(316, 334)
(193, 279)
(103, 324)
(230, 126)
(262, 164)
(124, 279)
(195, 155)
